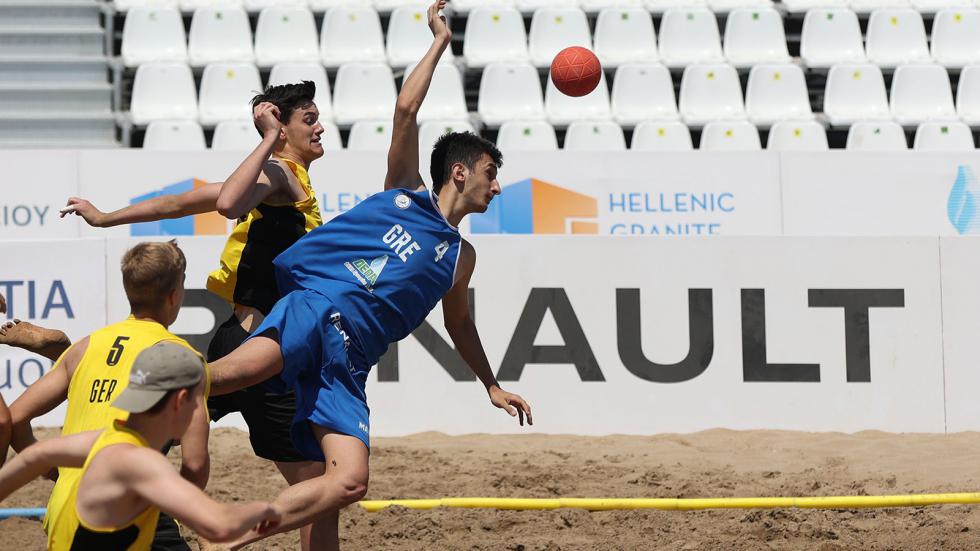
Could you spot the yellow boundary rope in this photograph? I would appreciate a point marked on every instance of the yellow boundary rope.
(677, 504)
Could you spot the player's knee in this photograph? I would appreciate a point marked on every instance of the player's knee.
(353, 488)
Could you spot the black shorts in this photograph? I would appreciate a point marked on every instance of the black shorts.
(167, 536)
(268, 415)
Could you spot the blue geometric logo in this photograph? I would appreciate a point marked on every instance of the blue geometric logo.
(962, 204)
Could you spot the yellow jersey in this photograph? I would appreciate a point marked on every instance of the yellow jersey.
(246, 275)
(99, 377)
(69, 533)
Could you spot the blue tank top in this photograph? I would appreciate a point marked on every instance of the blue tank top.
(385, 264)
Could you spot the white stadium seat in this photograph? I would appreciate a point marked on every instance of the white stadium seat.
(153, 34)
(494, 34)
(596, 6)
(855, 91)
(190, 6)
(594, 136)
(562, 110)
(831, 36)
(351, 34)
(755, 35)
(466, 7)
(643, 91)
(803, 6)
(431, 131)
(624, 35)
(943, 136)
(285, 34)
(868, 6)
(220, 33)
(933, 6)
(174, 136)
(956, 37)
(553, 30)
(896, 36)
(661, 136)
(321, 6)
(710, 92)
(920, 93)
(531, 6)
(797, 136)
(239, 135)
(968, 95)
(526, 136)
(293, 73)
(259, 5)
(876, 136)
(776, 92)
(662, 6)
(363, 91)
(510, 91)
(689, 35)
(125, 5)
(725, 6)
(409, 37)
(163, 91)
(730, 136)
(226, 90)
(370, 136)
(445, 99)
(388, 6)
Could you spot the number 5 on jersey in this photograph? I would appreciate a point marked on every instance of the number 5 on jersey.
(116, 351)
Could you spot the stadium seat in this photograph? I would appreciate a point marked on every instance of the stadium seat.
(526, 136)
(803, 6)
(409, 37)
(220, 34)
(968, 95)
(370, 136)
(351, 34)
(153, 34)
(661, 6)
(776, 92)
(831, 36)
(126, 5)
(876, 136)
(363, 91)
(494, 34)
(729, 136)
(594, 136)
(285, 34)
(643, 91)
(725, 6)
(943, 136)
(956, 37)
(190, 6)
(226, 90)
(689, 35)
(661, 136)
(920, 93)
(321, 6)
(755, 35)
(445, 99)
(562, 110)
(292, 73)
(239, 135)
(855, 91)
(163, 91)
(466, 7)
(896, 36)
(624, 35)
(867, 6)
(388, 6)
(259, 5)
(553, 30)
(797, 136)
(710, 92)
(431, 131)
(174, 136)
(531, 6)
(933, 6)
(510, 91)
(596, 6)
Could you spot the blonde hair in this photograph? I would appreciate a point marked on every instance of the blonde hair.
(151, 271)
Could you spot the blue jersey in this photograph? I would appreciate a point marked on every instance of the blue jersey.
(385, 264)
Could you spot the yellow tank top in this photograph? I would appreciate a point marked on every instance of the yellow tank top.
(246, 275)
(99, 377)
(69, 533)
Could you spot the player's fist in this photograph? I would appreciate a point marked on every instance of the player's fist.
(437, 22)
(81, 207)
(266, 116)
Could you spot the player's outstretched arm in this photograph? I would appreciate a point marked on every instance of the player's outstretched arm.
(462, 331)
(5, 429)
(195, 201)
(403, 155)
(149, 474)
(43, 396)
(195, 461)
(66, 451)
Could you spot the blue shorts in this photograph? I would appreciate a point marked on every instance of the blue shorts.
(322, 366)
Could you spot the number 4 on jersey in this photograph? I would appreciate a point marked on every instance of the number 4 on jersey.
(441, 250)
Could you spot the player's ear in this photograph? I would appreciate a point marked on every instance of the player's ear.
(183, 396)
(458, 173)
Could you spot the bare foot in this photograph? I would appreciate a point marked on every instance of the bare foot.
(49, 343)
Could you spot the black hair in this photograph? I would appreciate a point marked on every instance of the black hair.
(459, 147)
(287, 97)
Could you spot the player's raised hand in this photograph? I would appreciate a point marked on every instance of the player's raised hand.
(437, 22)
(81, 207)
(266, 116)
(512, 403)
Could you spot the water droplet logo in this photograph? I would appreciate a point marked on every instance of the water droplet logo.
(962, 204)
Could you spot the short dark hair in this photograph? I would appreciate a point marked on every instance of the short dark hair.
(287, 97)
(459, 147)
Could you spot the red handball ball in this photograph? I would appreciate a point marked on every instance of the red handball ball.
(575, 71)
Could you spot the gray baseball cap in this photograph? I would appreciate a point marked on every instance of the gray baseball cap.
(162, 367)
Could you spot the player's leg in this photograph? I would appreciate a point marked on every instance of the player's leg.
(49, 343)
(294, 473)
